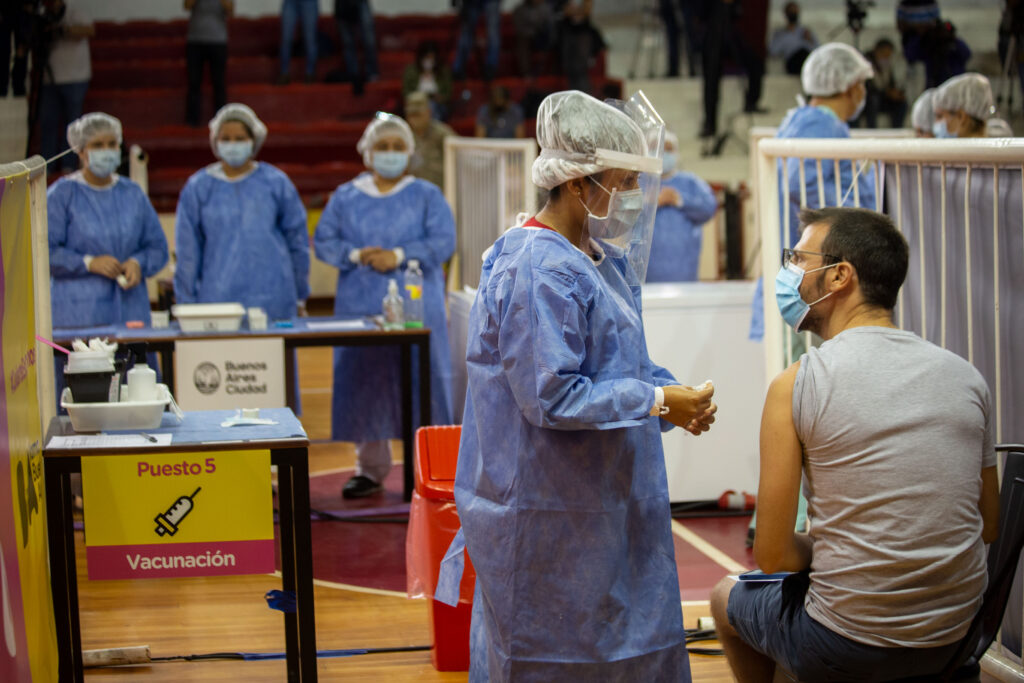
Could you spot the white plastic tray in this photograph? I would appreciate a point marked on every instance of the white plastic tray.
(95, 417)
(209, 317)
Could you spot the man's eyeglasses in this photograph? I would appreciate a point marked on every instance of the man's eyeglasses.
(796, 256)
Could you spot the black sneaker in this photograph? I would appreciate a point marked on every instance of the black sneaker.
(360, 487)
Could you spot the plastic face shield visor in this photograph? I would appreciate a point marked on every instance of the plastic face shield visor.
(634, 242)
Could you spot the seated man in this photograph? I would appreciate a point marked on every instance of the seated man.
(891, 436)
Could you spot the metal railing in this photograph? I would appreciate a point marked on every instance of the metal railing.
(960, 204)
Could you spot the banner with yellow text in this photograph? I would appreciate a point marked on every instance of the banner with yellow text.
(28, 640)
(206, 513)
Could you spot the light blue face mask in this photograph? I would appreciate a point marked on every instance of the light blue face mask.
(234, 154)
(103, 162)
(669, 162)
(940, 130)
(390, 164)
(624, 208)
(787, 294)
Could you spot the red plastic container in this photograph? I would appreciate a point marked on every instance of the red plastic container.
(433, 522)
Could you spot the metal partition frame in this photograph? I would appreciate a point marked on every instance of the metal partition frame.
(488, 182)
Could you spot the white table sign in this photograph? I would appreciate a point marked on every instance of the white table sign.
(230, 373)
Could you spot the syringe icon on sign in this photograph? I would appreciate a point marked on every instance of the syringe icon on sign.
(167, 522)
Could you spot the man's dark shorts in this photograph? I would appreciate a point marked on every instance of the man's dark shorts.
(813, 653)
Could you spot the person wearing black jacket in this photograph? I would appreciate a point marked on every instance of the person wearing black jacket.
(722, 39)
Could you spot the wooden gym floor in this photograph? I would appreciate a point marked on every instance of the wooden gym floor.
(194, 616)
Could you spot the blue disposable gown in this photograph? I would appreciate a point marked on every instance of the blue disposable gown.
(813, 122)
(245, 240)
(678, 230)
(84, 220)
(366, 405)
(820, 122)
(561, 485)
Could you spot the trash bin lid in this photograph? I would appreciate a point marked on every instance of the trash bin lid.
(437, 454)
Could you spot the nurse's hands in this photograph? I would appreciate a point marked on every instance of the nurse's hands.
(702, 422)
(690, 407)
(669, 197)
(383, 260)
(367, 253)
(105, 265)
(132, 273)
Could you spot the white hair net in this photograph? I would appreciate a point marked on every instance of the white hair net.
(574, 123)
(998, 128)
(832, 68)
(235, 111)
(970, 93)
(923, 114)
(85, 128)
(382, 125)
(672, 139)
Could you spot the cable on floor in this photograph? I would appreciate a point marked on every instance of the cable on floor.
(264, 656)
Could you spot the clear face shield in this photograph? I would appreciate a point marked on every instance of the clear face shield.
(631, 183)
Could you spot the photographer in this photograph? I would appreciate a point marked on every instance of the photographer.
(66, 74)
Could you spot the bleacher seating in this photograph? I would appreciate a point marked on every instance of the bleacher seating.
(139, 76)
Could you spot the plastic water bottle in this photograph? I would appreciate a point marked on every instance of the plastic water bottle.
(413, 295)
(393, 317)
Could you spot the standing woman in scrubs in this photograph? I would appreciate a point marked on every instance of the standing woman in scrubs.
(371, 227)
(241, 230)
(685, 204)
(561, 484)
(105, 238)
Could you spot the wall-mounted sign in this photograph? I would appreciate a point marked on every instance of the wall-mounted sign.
(186, 514)
(231, 373)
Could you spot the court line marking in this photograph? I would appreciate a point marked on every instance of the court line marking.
(706, 548)
(354, 589)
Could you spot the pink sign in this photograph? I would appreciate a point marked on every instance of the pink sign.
(153, 561)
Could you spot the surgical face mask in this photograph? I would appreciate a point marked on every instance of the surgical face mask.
(787, 294)
(860, 108)
(234, 154)
(940, 130)
(390, 164)
(103, 162)
(669, 162)
(624, 208)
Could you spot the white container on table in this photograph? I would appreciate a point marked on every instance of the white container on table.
(226, 317)
(95, 417)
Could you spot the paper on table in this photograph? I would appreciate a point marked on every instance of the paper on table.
(337, 325)
(109, 441)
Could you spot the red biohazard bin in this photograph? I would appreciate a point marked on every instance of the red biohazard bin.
(433, 523)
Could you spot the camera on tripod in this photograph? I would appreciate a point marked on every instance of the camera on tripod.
(856, 13)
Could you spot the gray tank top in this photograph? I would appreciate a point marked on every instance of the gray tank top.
(895, 433)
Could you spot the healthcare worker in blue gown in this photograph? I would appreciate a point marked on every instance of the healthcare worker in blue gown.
(833, 78)
(370, 229)
(561, 486)
(241, 232)
(105, 238)
(685, 204)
